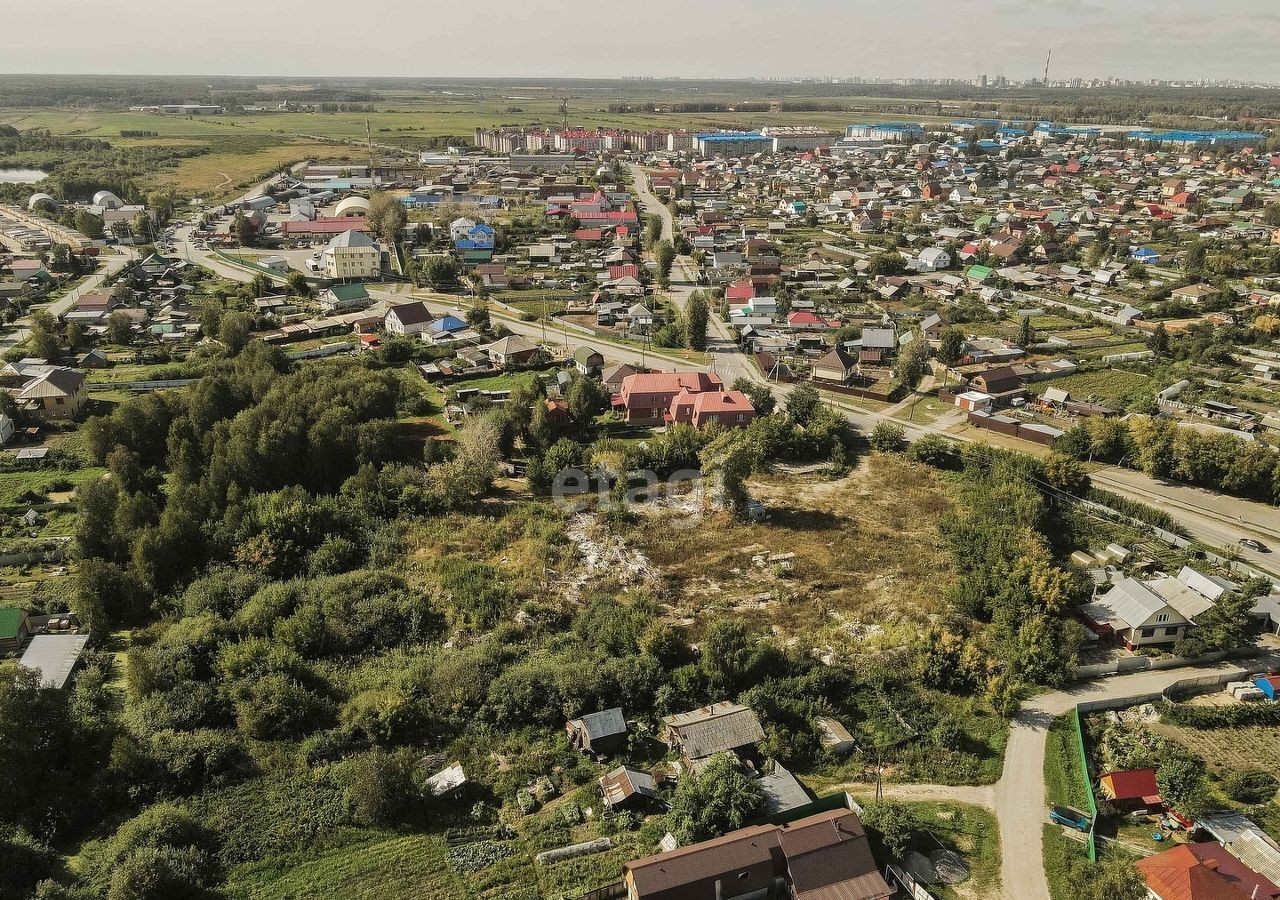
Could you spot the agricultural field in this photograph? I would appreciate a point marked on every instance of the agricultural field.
(21, 486)
(412, 866)
(1111, 387)
(1225, 750)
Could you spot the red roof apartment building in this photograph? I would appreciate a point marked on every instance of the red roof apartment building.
(822, 857)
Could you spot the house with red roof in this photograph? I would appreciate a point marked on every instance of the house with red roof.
(740, 291)
(647, 396)
(804, 320)
(1132, 790)
(1204, 871)
(731, 409)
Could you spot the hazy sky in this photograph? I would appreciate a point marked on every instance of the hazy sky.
(594, 38)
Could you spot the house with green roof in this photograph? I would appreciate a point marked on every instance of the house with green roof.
(587, 360)
(344, 297)
(14, 630)
(979, 274)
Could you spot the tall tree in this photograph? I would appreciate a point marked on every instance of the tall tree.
(387, 217)
(665, 256)
(1026, 334)
(696, 316)
(951, 347)
(1159, 341)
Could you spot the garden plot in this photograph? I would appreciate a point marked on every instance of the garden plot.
(1238, 749)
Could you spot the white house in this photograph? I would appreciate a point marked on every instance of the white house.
(407, 318)
(933, 259)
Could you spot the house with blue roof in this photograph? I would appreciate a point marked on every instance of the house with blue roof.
(479, 237)
(447, 324)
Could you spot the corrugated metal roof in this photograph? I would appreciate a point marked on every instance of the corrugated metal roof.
(54, 656)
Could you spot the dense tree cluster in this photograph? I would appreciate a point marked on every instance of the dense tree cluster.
(1162, 449)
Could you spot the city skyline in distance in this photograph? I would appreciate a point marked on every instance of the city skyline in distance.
(1139, 40)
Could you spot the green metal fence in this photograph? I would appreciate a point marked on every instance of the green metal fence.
(1092, 840)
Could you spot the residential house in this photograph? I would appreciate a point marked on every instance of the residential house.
(1135, 614)
(732, 409)
(511, 350)
(646, 397)
(601, 733)
(933, 259)
(58, 393)
(837, 366)
(407, 318)
(615, 375)
(932, 326)
(1193, 294)
(700, 734)
(1001, 383)
(822, 857)
(344, 298)
(1203, 871)
(588, 361)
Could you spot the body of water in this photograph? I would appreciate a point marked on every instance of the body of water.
(21, 176)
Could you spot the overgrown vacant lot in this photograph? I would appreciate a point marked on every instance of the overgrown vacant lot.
(1226, 750)
(866, 550)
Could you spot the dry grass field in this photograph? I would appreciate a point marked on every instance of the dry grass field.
(867, 561)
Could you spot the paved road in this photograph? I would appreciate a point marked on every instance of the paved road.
(1018, 799)
(651, 204)
(112, 263)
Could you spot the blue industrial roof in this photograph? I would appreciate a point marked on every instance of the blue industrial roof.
(1196, 136)
(732, 136)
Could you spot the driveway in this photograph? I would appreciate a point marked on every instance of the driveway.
(1020, 800)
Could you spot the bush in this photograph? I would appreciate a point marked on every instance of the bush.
(1211, 717)
(888, 437)
(935, 450)
(1251, 787)
(892, 825)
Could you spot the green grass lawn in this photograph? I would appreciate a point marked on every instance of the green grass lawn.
(974, 834)
(1063, 780)
(17, 483)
